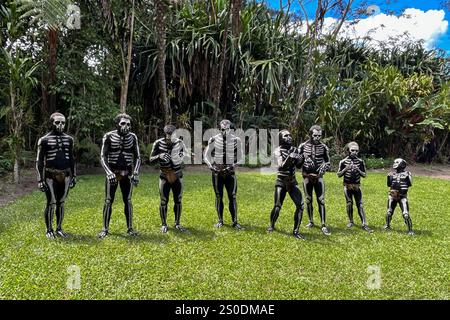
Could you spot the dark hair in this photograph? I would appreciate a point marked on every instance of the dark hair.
(121, 116)
(169, 128)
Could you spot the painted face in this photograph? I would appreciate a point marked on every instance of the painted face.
(124, 126)
(168, 137)
(286, 137)
(399, 164)
(59, 122)
(225, 127)
(169, 133)
(316, 136)
(354, 150)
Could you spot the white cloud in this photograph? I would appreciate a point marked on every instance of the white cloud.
(414, 23)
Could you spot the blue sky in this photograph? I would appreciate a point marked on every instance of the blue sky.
(431, 26)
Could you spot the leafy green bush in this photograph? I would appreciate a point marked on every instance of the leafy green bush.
(5, 165)
(378, 163)
(145, 149)
(88, 152)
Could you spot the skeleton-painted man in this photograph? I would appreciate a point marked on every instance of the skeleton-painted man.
(223, 153)
(121, 160)
(55, 168)
(352, 169)
(316, 163)
(399, 181)
(287, 159)
(169, 152)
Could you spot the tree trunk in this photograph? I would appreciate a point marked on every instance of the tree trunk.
(126, 76)
(305, 84)
(49, 75)
(16, 166)
(343, 17)
(16, 126)
(236, 18)
(217, 92)
(160, 23)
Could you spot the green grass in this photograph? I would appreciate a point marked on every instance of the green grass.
(226, 264)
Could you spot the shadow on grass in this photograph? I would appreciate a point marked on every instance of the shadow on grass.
(303, 231)
(356, 229)
(143, 237)
(80, 238)
(192, 233)
(422, 233)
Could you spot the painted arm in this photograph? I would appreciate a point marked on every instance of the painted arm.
(389, 179)
(73, 171)
(326, 164)
(409, 179)
(362, 169)
(137, 156)
(104, 160)
(40, 166)
(154, 155)
(207, 154)
(342, 169)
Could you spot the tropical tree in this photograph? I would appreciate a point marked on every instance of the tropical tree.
(20, 79)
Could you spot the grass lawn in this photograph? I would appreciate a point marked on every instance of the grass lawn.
(226, 264)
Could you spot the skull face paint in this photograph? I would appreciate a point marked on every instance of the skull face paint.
(353, 149)
(225, 127)
(316, 136)
(399, 164)
(285, 138)
(168, 133)
(124, 126)
(59, 123)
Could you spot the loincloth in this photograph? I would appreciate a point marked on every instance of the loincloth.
(57, 174)
(169, 175)
(121, 174)
(396, 194)
(312, 177)
(352, 186)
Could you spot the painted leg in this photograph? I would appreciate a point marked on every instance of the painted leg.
(390, 212)
(126, 187)
(361, 212)
(308, 189)
(231, 186)
(296, 197)
(349, 200)
(404, 206)
(177, 189)
(164, 189)
(319, 188)
(279, 195)
(50, 208)
(110, 191)
(218, 185)
(60, 206)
